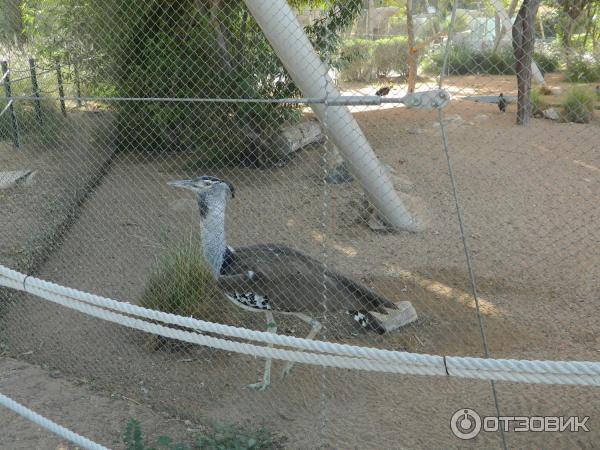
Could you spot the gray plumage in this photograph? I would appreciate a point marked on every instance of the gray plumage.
(295, 282)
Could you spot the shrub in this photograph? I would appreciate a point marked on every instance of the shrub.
(578, 105)
(463, 60)
(391, 55)
(365, 59)
(355, 60)
(583, 70)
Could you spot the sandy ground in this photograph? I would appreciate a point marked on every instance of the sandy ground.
(63, 400)
(529, 199)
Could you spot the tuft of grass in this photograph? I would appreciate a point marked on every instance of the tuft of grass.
(545, 90)
(578, 105)
(222, 437)
(181, 283)
(537, 102)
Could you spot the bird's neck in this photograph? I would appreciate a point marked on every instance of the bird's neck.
(212, 232)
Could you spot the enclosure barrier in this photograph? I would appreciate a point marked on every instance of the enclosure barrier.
(581, 373)
(49, 425)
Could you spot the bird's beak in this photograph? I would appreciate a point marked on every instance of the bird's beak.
(184, 184)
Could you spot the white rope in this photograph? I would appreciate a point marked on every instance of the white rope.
(332, 354)
(49, 425)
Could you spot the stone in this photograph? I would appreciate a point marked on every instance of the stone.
(551, 114)
(12, 178)
(397, 318)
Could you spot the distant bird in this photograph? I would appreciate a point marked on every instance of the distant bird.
(502, 103)
(598, 90)
(273, 278)
(382, 92)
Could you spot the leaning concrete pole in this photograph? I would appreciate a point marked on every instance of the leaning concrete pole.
(285, 34)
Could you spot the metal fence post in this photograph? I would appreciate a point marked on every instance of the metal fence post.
(35, 91)
(11, 106)
(61, 91)
(77, 82)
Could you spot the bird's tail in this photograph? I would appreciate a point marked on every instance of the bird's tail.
(367, 320)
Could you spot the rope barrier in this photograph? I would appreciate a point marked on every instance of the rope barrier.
(331, 354)
(49, 425)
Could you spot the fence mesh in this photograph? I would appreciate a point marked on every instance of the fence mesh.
(291, 210)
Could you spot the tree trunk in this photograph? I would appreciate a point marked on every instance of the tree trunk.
(412, 53)
(221, 32)
(523, 40)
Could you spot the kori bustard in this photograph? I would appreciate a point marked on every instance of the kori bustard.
(272, 278)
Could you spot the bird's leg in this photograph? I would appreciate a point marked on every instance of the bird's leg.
(266, 381)
(315, 327)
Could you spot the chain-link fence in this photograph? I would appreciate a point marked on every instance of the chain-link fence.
(298, 168)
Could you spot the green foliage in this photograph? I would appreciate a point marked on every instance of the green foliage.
(181, 283)
(175, 49)
(578, 105)
(463, 60)
(230, 437)
(366, 59)
(222, 437)
(581, 70)
(537, 102)
(132, 437)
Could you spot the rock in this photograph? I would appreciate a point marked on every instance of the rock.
(14, 177)
(551, 114)
(397, 318)
(339, 174)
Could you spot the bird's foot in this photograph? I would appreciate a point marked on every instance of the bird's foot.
(286, 369)
(260, 386)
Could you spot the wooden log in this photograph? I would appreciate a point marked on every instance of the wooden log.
(295, 137)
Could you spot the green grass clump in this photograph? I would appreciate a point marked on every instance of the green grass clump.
(181, 283)
(222, 437)
(578, 105)
(537, 102)
(583, 71)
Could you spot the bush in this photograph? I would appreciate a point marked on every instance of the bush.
(391, 55)
(354, 60)
(583, 70)
(578, 105)
(463, 60)
(366, 59)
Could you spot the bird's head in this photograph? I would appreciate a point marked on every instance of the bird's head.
(204, 185)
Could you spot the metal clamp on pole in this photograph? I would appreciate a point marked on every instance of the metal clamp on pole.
(437, 98)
